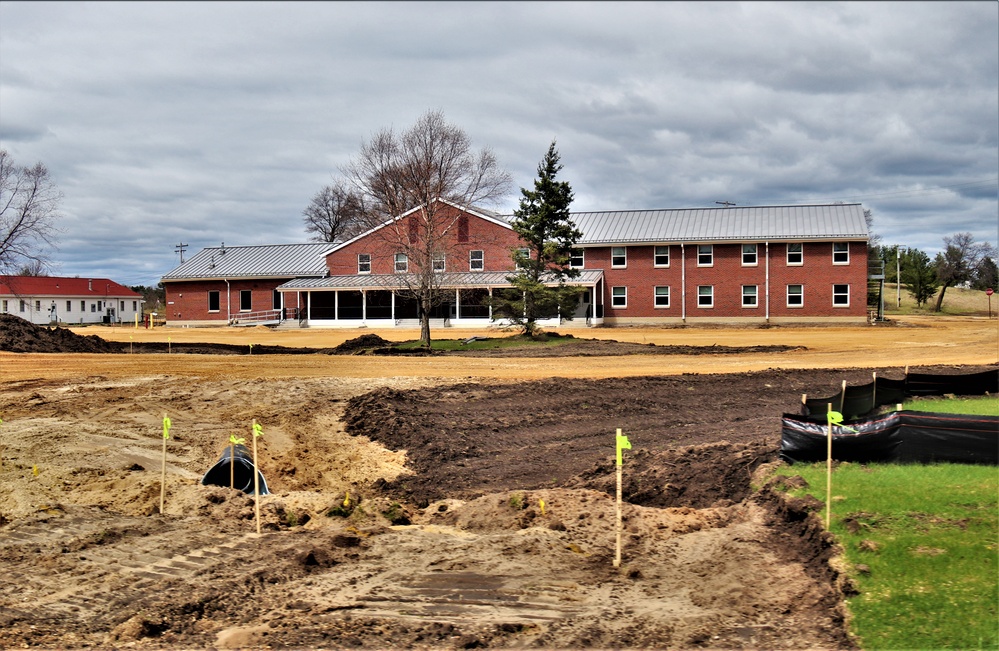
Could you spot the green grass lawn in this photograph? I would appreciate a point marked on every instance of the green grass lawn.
(975, 405)
(921, 542)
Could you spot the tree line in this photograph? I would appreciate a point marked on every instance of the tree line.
(963, 262)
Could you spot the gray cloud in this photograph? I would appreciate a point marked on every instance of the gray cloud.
(210, 122)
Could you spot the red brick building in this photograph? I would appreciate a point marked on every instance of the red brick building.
(766, 264)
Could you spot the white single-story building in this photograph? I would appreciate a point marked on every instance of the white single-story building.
(45, 300)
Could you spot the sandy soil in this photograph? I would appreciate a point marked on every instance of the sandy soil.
(406, 506)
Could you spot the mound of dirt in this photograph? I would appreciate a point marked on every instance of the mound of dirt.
(20, 336)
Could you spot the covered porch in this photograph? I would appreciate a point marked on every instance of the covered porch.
(380, 301)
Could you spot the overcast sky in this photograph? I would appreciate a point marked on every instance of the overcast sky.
(205, 123)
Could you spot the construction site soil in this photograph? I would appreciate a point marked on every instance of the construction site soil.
(437, 504)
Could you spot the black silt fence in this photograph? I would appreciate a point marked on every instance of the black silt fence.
(898, 437)
(859, 401)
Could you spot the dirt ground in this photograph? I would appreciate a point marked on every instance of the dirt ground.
(428, 502)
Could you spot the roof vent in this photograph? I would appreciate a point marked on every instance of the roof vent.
(223, 248)
(212, 265)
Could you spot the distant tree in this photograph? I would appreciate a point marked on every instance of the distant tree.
(335, 214)
(874, 240)
(918, 275)
(33, 268)
(986, 274)
(29, 201)
(543, 223)
(958, 261)
(153, 297)
(421, 170)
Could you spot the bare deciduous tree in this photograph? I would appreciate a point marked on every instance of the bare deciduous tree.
(961, 257)
(29, 201)
(417, 172)
(335, 214)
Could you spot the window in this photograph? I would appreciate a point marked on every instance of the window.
(121, 305)
(100, 306)
(5, 306)
(619, 256)
(661, 257)
(522, 256)
(438, 262)
(476, 261)
(795, 295)
(662, 297)
(213, 301)
(83, 306)
(705, 255)
(841, 253)
(38, 306)
(750, 296)
(748, 255)
(794, 255)
(841, 296)
(135, 306)
(93, 307)
(619, 297)
(245, 300)
(705, 296)
(363, 263)
(576, 260)
(401, 263)
(276, 300)
(69, 306)
(23, 306)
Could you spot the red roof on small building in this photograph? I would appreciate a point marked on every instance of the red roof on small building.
(56, 286)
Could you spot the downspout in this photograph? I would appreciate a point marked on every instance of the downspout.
(683, 284)
(228, 309)
(767, 288)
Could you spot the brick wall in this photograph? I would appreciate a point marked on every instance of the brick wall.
(495, 241)
(188, 300)
(726, 277)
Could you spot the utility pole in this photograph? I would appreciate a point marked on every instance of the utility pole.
(180, 249)
(898, 277)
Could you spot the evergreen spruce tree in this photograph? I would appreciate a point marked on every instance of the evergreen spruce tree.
(919, 276)
(544, 225)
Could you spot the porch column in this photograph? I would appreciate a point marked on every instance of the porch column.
(364, 305)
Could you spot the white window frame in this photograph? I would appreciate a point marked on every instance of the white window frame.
(656, 256)
(23, 306)
(657, 295)
(754, 294)
(577, 258)
(473, 259)
(242, 293)
(439, 263)
(401, 263)
(619, 297)
(845, 293)
(800, 294)
(619, 252)
(842, 254)
(799, 254)
(5, 304)
(218, 301)
(69, 306)
(706, 251)
(525, 253)
(753, 253)
(363, 263)
(83, 306)
(710, 294)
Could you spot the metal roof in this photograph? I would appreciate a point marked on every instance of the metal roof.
(739, 223)
(58, 286)
(266, 261)
(398, 281)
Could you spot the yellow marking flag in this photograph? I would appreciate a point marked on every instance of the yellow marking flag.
(166, 427)
(836, 418)
(258, 429)
(622, 444)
